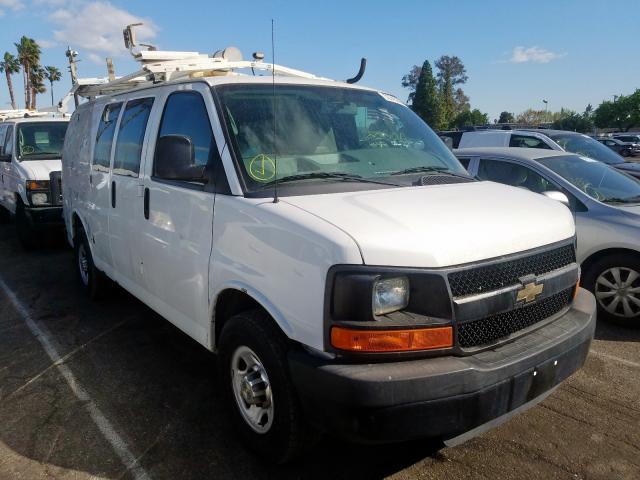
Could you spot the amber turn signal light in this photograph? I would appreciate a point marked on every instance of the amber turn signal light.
(391, 340)
(38, 185)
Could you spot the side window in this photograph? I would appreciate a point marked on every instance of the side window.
(465, 162)
(185, 114)
(133, 125)
(3, 131)
(524, 141)
(8, 143)
(104, 137)
(514, 175)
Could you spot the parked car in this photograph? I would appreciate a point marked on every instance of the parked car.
(622, 149)
(630, 139)
(323, 253)
(559, 140)
(606, 205)
(30, 189)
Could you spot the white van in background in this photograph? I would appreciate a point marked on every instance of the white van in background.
(30, 174)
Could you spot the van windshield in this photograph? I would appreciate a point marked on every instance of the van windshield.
(327, 134)
(40, 140)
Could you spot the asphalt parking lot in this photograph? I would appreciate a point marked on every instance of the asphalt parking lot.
(110, 390)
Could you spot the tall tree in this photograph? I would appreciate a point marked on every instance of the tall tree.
(29, 57)
(410, 81)
(623, 113)
(10, 65)
(37, 83)
(53, 75)
(574, 122)
(506, 117)
(451, 72)
(425, 101)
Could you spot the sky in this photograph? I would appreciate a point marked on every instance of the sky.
(571, 53)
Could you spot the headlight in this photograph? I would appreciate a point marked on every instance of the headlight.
(390, 295)
(39, 199)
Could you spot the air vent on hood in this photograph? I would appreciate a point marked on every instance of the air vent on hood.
(441, 180)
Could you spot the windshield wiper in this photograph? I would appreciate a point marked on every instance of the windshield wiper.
(432, 169)
(320, 175)
(635, 199)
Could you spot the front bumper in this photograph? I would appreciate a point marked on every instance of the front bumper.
(443, 397)
(45, 217)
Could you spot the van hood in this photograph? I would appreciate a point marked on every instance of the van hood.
(40, 169)
(443, 225)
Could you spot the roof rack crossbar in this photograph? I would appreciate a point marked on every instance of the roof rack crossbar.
(188, 67)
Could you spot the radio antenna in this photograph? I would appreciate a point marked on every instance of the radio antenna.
(274, 107)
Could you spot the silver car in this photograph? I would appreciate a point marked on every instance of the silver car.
(606, 206)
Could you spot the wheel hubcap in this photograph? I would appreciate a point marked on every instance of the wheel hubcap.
(83, 264)
(618, 291)
(252, 390)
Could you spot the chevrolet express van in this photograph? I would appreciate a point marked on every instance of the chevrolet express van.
(315, 234)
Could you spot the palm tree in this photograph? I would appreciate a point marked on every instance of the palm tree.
(10, 65)
(29, 57)
(36, 78)
(53, 75)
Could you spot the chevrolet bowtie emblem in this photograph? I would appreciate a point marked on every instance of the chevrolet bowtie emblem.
(529, 292)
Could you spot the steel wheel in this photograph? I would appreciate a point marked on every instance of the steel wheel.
(251, 389)
(617, 290)
(83, 264)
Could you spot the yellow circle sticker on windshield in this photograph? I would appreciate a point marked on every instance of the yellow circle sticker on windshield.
(262, 168)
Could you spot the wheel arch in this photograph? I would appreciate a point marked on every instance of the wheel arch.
(600, 254)
(232, 300)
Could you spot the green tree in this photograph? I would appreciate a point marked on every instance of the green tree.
(10, 65)
(573, 121)
(410, 81)
(53, 75)
(506, 117)
(425, 101)
(623, 113)
(29, 58)
(451, 72)
(37, 78)
(470, 118)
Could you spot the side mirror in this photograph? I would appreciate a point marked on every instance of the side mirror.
(558, 197)
(6, 158)
(175, 160)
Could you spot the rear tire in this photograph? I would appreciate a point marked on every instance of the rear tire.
(615, 281)
(258, 390)
(91, 279)
(26, 233)
(5, 216)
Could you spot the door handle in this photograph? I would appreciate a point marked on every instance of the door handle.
(113, 194)
(146, 203)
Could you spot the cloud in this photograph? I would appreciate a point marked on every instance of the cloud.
(533, 54)
(12, 4)
(96, 27)
(44, 43)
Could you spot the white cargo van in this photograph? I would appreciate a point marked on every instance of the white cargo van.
(316, 235)
(30, 169)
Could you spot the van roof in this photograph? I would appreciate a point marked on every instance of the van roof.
(35, 119)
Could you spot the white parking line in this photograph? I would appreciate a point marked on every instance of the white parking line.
(628, 363)
(42, 334)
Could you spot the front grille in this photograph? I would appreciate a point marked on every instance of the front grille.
(503, 274)
(493, 328)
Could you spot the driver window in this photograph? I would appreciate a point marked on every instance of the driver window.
(514, 175)
(8, 144)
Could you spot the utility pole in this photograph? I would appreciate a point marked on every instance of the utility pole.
(73, 70)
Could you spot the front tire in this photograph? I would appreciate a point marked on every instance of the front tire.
(258, 390)
(615, 282)
(24, 230)
(91, 279)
